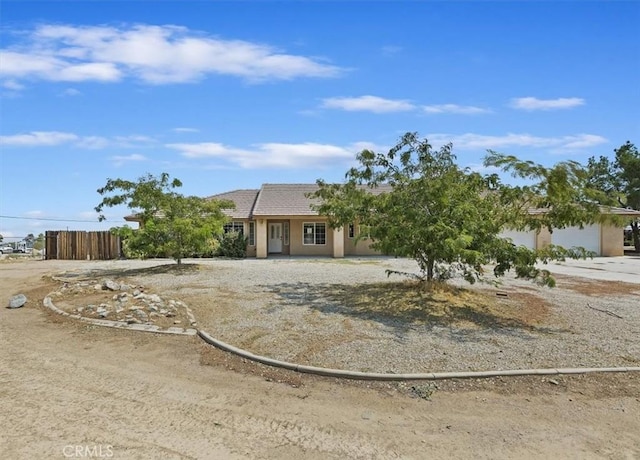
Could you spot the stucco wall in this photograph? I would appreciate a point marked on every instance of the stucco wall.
(612, 241)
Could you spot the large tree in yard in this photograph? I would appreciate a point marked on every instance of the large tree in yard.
(171, 224)
(417, 202)
(619, 180)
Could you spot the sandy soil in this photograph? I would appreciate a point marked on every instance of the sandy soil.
(70, 390)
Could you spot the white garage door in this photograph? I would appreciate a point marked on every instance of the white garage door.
(588, 237)
(526, 239)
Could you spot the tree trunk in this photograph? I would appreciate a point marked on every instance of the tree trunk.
(179, 260)
(635, 233)
(430, 265)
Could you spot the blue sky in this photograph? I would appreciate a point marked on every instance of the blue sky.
(229, 95)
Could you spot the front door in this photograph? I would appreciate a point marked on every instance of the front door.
(275, 237)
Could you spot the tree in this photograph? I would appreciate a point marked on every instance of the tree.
(619, 180)
(38, 244)
(1, 238)
(29, 239)
(447, 218)
(171, 224)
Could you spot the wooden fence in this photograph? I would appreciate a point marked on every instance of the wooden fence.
(78, 245)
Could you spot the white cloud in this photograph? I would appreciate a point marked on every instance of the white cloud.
(38, 138)
(12, 85)
(390, 50)
(186, 130)
(153, 54)
(71, 92)
(471, 141)
(532, 103)
(119, 160)
(454, 108)
(373, 104)
(52, 138)
(35, 213)
(272, 155)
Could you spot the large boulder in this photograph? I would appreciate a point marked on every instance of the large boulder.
(17, 301)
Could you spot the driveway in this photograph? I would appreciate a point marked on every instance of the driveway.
(625, 268)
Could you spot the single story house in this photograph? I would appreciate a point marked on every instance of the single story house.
(279, 219)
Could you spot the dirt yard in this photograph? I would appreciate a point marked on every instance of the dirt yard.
(73, 390)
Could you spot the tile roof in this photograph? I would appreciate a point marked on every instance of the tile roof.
(285, 200)
(244, 199)
(290, 199)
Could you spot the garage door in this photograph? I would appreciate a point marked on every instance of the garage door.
(526, 239)
(588, 237)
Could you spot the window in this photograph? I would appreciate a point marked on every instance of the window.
(231, 227)
(285, 234)
(252, 233)
(352, 231)
(314, 233)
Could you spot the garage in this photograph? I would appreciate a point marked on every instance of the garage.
(526, 239)
(588, 237)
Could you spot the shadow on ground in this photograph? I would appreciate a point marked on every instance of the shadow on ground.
(403, 307)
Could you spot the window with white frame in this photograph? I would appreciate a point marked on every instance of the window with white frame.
(234, 227)
(314, 233)
(252, 234)
(352, 231)
(285, 234)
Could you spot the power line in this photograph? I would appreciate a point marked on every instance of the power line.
(51, 219)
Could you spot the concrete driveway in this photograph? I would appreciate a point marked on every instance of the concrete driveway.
(625, 268)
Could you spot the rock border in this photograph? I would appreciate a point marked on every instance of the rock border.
(48, 303)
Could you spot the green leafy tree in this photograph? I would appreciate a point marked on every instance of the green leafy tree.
(619, 181)
(171, 224)
(417, 202)
(38, 244)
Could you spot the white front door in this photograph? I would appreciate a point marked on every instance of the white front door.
(275, 238)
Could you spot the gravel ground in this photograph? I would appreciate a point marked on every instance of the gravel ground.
(279, 308)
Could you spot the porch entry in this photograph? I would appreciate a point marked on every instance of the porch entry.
(275, 237)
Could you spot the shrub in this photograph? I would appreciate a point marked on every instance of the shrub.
(233, 245)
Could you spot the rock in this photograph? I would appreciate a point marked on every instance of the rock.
(554, 382)
(177, 322)
(141, 314)
(155, 298)
(17, 301)
(97, 287)
(136, 292)
(115, 297)
(110, 285)
(125, 287)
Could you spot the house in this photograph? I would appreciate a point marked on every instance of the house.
(278, 219)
